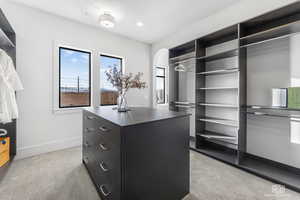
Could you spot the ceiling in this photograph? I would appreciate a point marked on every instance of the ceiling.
(160, 17)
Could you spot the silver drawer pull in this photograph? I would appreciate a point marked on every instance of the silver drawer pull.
(104, 191)
(103, 128)
(103, 147)
(86, 160)
(90, 129)
(103, 167)
(90, 117)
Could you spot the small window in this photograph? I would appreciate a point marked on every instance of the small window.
(160, 85)
(74, 78)
(108, 93)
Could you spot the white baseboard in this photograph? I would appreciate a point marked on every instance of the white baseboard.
(34, 150)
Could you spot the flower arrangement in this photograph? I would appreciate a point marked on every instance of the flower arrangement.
(123, 82)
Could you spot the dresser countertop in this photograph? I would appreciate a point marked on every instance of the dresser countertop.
(136, 115)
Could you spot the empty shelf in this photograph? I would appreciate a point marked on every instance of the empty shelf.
(183, 102)
(271, 34)
(227, 156)
(285, 115)
(272, 108)
(222, 71)
(217, 136)
(272, 171)
(218, 88)
(183, 57)
(225, 122)
(184, 106)
(220, 139)
(222, 55)
(218, 105)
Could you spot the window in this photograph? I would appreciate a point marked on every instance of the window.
(108, 94)
(74, 78)
(160, 85)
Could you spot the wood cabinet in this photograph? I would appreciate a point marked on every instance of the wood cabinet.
(142, 154)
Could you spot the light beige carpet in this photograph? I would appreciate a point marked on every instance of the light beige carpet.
(61, 176)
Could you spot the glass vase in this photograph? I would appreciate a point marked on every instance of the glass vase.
(122, 103)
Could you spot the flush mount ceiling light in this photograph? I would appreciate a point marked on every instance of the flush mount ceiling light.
(107, 20)
(140, 24)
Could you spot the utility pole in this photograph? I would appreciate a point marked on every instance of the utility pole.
(77, 84)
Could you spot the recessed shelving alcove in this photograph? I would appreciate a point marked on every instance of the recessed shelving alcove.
(218, 65)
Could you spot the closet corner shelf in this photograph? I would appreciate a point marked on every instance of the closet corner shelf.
(271, 34)
(218, 105)
(222, 71)
(222, 55)
(218, 88)
(225, 122)
(4, 40)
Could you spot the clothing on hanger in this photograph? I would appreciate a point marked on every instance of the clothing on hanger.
(9, 84)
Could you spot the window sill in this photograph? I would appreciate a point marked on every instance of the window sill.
(69, 110)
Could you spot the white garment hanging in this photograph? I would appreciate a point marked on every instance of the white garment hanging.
(9, 84)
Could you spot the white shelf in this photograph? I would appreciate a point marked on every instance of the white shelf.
(220, 137)
(222, 71)
(221, 55)
(225, 122)
(218, 88)
(218, 105)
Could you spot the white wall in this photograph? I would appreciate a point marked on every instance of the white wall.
(39, 130)
(241, 11)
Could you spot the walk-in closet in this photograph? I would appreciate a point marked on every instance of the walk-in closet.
(240, 85)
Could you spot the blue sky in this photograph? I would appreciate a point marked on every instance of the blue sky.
(76, 64)
(105, 64)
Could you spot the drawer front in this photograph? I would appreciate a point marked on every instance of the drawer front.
(89, 119)
(101, 146)
(109, 131)
(107, 187)
(108, 164)
(95, 124)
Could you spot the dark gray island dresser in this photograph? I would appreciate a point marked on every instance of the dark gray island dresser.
(139, 155)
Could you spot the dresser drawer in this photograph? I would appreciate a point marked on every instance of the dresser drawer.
(89, 119)
(108, 189)
(108, 130)
(108, 164)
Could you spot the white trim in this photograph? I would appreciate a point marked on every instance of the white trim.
(55, 79)
(117, 56)
(34, 150)
(97, 88)
(157, 63)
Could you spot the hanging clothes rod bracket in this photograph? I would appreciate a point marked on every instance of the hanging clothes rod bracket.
(3, 132)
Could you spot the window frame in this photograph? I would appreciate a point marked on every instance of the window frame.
(164, 78)
(54, 81)
(122, 69)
